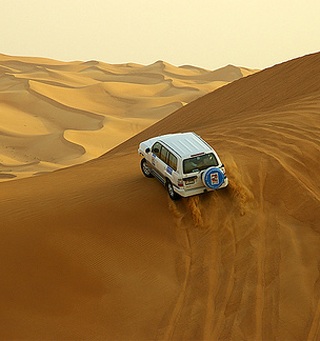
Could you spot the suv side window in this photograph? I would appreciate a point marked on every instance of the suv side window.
(173, 161)
(156, 149)
(164, 153)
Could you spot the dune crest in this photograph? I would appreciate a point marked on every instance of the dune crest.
(87, 108)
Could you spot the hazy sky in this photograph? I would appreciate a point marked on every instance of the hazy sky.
(205, 33)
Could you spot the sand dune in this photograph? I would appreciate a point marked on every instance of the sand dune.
(83, 109)
(97, 251)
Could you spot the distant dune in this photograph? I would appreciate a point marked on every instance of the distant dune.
(55, 114)
(98, 252)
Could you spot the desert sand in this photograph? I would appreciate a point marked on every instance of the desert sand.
(55, 114)
(98, 252)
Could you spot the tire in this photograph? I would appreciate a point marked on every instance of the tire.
(172, 194)
(213, 177)
(146, 170)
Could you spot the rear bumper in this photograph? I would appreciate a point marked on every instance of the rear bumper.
(194, 191)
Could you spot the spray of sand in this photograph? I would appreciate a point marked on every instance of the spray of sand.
(187, 211)
(240, 192)
(193, 204)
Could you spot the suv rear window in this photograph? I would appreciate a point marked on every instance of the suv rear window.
(199, 163)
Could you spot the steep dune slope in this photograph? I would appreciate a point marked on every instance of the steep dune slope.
(97, 251)
(84, 109)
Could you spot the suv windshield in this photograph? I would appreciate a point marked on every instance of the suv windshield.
(199, 163)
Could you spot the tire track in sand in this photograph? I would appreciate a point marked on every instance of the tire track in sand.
(314, 333)
(261, 255)
(185, 238)
(200, 235)
(188, 219)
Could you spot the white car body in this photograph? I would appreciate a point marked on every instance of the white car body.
(184, 163)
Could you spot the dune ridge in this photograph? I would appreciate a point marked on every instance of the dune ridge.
(97, 251)
(87, 108)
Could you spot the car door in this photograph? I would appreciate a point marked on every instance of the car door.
(156, 161)
(155, 154)
(163, 161)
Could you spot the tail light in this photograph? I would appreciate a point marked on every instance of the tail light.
(180, 183)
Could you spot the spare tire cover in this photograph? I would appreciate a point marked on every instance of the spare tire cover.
(213, 177)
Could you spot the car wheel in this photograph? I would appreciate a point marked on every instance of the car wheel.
(146, 170)
(213, 177)
(172, 194)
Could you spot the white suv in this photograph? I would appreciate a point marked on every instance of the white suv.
(184, 163)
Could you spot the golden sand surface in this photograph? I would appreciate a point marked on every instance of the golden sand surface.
(98, 252)
(56, 114)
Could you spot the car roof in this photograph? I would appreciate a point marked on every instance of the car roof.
(185, 144)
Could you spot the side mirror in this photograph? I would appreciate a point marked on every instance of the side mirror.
(147, 150)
